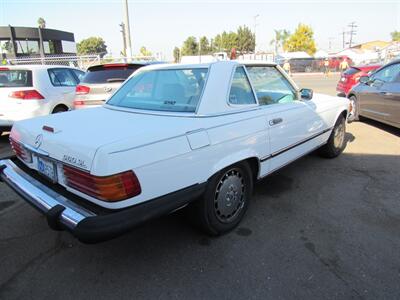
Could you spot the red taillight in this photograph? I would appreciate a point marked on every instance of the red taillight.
(82, 89)
(116, 66)
(4, 69)
(107, 188)
(26, 95)
(20, 151)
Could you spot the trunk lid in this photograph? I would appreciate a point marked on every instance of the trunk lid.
(99, 92)
(79, 134)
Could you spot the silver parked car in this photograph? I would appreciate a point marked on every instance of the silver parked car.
(377, 96)
(101, 81)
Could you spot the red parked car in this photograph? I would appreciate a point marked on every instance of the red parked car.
(351, 76)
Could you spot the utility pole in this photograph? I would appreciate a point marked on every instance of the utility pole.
(330, 39)
(343, 38)
(352, 32)
(255, 26)
(122, 25)
(127, 30)
(199, 50)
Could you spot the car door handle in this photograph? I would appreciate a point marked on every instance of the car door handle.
(275, 121)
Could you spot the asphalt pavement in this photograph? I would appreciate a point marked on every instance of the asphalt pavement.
(317, 229)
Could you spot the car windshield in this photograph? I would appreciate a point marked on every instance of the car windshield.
(15, 78)
(174, 90)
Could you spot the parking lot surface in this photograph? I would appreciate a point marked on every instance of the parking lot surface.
(317, 229)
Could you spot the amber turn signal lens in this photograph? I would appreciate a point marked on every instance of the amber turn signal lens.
(112, 188)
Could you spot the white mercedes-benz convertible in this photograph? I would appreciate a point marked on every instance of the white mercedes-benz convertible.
(172, 135)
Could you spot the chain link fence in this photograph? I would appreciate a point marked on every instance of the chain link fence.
(79, 61)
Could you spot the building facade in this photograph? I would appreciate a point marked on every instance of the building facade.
(17, 42)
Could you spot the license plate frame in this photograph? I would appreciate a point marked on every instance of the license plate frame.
(47, 168)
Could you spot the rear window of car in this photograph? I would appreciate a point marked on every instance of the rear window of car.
(104, 74)
(15, 78)
(172, 90)
(351, 71)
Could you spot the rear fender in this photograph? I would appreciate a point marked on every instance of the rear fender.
(232, 159)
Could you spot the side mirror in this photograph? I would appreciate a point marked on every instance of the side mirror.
(306, 94)
(364, 79)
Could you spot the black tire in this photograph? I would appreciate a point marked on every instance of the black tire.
(208, 215)
(59, 109)
(336, 144)
(355, 105)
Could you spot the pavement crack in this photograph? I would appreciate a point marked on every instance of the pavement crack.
(41, 257)
(325, 262)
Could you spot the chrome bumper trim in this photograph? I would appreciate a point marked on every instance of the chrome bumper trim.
(40, 196)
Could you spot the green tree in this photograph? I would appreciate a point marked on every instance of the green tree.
(41, 22)
(395, 36)
(177, 54)
(218, 42)
(212, 46)
(145, 52)
(281, 37)
(7, 47)
(190, 46)
(301, 40)
(226, 41)
(92, 45)
(204, 46)
(245, 40)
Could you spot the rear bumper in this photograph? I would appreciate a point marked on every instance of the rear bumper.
(87, 225)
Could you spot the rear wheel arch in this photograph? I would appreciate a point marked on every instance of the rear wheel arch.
(247, 154)
(254, 163)
(59, 108)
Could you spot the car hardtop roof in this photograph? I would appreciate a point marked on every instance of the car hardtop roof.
(208, 65)
(34, 67)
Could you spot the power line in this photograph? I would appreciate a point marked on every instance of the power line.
(352, 32)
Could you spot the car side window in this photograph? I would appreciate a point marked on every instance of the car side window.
(61, 77)
(270, 85)
(241, 92)
(388, 74)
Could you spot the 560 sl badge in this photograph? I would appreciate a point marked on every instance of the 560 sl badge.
(75, 161)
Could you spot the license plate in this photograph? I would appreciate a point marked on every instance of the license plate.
(47, 168)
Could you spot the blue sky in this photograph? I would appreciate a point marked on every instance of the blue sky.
(161, 25)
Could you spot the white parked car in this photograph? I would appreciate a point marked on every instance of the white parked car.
(170, 136)
(28, 91)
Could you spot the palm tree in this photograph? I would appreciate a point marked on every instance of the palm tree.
(281, 35)
(41, 22)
